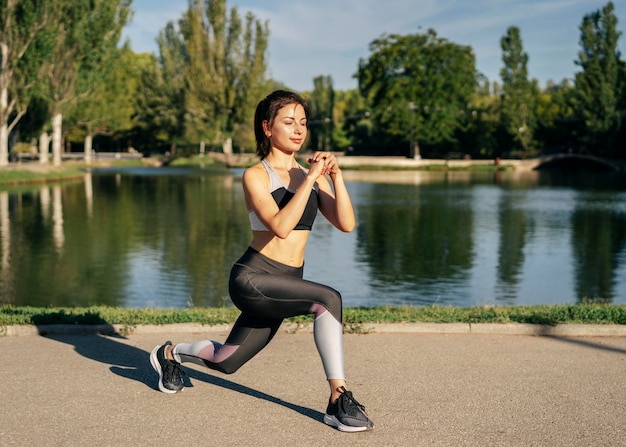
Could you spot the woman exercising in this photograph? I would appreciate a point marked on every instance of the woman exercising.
(267, 283)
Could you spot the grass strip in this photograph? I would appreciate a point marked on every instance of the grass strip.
(23, 176)
(546, 314)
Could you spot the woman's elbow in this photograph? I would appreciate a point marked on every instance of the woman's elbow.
(281, 233)
(349, 229)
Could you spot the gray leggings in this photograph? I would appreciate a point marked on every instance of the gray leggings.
(266, 292)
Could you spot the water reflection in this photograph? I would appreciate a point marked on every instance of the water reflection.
(598, 241)
(513, 229)
(167, 238)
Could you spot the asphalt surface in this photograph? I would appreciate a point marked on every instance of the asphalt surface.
(420, 389)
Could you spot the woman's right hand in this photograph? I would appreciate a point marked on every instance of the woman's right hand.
(317, 165)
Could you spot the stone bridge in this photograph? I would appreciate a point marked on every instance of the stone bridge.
(568, 161)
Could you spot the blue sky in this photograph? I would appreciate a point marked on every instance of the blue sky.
(328, 37)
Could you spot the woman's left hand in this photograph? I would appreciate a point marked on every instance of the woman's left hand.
(331, 167)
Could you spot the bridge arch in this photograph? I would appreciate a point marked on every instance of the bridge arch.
(576, 162)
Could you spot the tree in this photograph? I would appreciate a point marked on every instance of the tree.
(418, 86)
(598, 86)
(356, 129)
(480, 136)
(87, 32)
(555, 118)
(21, 57)
(322, 122)
(109, 104)
(161, 96)
(517, 111)
(101, 101)
(223, 68)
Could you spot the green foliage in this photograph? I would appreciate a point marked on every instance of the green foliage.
(160, 98)
(418, 87)
(598, 84)
(321, 122)
(517, 112)
(64, 56)
(106, 80)
(351, 110)
(219, 61)
(23, 53)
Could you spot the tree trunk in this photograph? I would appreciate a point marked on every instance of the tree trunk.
(4, 145)
(44, 148)
(88, 148)
(57, 121)
(416, 151)
(5, 237)
(4, 106)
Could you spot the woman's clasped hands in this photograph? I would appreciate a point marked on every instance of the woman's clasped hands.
(323, 163)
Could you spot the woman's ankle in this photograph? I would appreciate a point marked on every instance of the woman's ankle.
(336, 389)
(168, 353)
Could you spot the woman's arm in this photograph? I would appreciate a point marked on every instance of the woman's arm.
(335, 203)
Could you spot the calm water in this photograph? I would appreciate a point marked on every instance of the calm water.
(167, 238)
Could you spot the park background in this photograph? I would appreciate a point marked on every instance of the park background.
(69, 84)
(75, 90)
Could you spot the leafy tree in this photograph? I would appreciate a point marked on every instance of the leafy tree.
(417, 86)
(101, 102)
(160, 99)
(352, 111)
(480, 135)
(87, 32)
(556, 122)
(21, 56)
(223, 68)
(109, 105)
(322, 120)
(597, 85)
(517, 95)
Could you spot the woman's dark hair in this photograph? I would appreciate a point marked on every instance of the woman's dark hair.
(267, 110)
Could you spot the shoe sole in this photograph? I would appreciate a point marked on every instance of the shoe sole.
(334, 422)
(157, 367)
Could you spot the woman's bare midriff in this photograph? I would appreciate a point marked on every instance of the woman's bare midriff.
(289, 251)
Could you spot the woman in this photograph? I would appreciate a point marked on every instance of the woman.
(266, 282)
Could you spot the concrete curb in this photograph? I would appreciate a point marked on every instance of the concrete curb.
(562, 330)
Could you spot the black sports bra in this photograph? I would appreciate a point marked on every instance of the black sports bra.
(282, 196)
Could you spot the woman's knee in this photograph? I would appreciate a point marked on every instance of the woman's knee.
(332, 301)
(226, 367)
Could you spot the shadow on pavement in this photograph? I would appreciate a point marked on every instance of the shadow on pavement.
(134, 364)
(588, 344)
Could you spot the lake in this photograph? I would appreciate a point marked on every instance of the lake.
(167, 237)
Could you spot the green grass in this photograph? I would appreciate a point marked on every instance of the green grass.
(197, 161)
(549, 314)
(19, 176)
(33, 172)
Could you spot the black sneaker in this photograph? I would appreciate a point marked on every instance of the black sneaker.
(347, 414)
(170, 373)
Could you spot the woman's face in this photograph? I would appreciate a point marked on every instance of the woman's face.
(289, 130)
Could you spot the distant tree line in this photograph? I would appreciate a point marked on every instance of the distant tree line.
(67, 83)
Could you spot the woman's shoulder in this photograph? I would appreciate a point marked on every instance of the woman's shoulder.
(257, 167)
(254, 173)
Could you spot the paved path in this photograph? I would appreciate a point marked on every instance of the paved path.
(421, 389)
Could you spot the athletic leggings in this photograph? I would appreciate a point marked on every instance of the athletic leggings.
(266, 292)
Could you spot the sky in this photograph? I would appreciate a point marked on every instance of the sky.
(329, 37)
